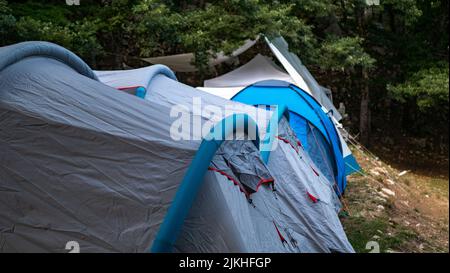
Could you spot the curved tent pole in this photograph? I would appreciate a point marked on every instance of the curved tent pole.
(192, 181)
(17, 52)
(266, 144)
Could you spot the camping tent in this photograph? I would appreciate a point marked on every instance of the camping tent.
(262, 68)
(258, 69)
(183, 62)
(82, 161)
(303, 78)
(297, 72)
(312, 126)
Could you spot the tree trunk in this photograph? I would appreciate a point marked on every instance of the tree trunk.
(364, 114)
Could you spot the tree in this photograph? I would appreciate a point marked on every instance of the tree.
(374, 57)
(428, 92)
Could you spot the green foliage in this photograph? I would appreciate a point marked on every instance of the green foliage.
(396, 40)
(428, 87)
(408, 9)
(157, 28)
(218, 27)
(7, 23)
(344, 54)
(32, 29)
(425, 94)
(43, 11)
(317, 8)
(225, 27)
(79, 36)
(84, 39)
(4, 7)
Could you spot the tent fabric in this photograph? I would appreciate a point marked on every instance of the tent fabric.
(83, 162)
(261, 68)
(315, 144)
(13, 54)
(258, 69)
(306, 227)
(141, 76)
(64, 141)
(210, 238)
(224, 92)
(302, 104)
(351, 165)
(242, 161)
(183, 62)
(327, 93)
(168, 91)
(280, 48)
(297, 72)
(179, 62)
(303, 78)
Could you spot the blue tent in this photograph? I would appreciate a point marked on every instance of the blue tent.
(313, 127)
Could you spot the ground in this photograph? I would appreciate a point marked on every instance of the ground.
(401, 212)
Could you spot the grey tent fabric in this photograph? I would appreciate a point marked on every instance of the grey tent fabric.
(232, 224)
(327, 93)
(242, 161)
(83, 162)
(289, 136)
(285, 132)
(238, 226)
(16, 53)
(316, 223)
(316, 90)
(141, 76)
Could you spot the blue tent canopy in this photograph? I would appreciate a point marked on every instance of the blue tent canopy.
(312, 125)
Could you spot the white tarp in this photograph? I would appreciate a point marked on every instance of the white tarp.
(298, 74)
(184, 62)
(260, 68)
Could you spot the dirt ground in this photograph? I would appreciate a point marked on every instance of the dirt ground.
(400, 211)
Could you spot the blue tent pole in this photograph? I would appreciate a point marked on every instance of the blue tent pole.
(192, 181)
(266, 145)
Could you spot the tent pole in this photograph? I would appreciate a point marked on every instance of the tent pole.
(266, 144)
(192, 181)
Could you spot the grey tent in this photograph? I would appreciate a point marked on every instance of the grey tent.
(82, 161)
